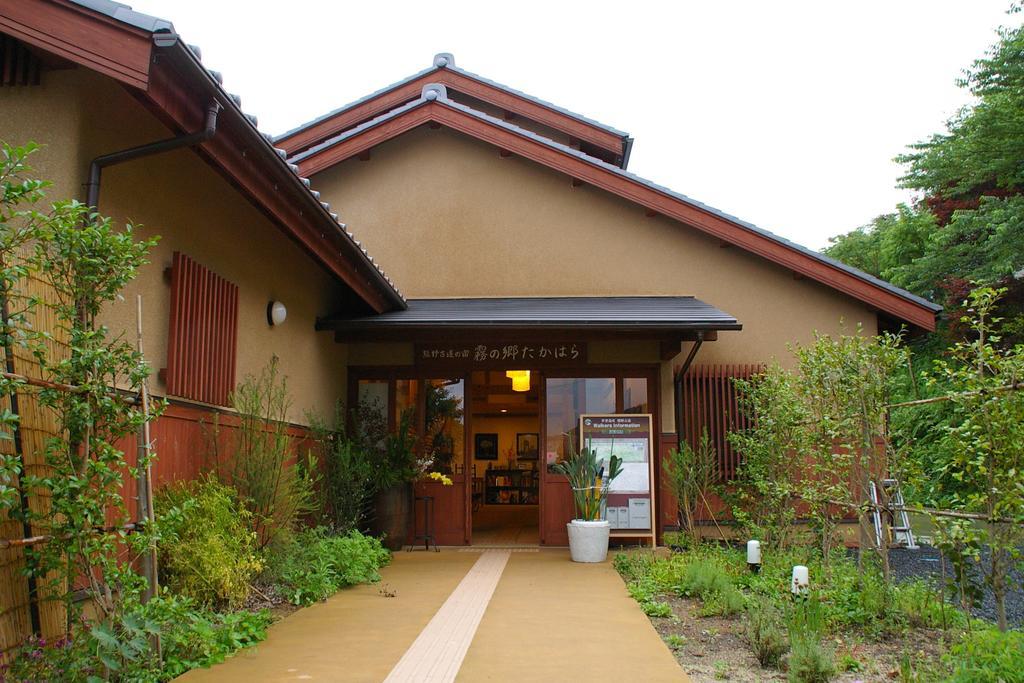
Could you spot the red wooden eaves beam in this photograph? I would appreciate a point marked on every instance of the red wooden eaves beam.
(358, 144)
(237, 156)
(510, 102)
(626, 188)
(83, 37)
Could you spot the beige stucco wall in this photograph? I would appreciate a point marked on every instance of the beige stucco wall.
(194, 210)
(449, 217)
(51, 116)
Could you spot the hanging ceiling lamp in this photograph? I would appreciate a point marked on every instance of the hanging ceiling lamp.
(520, 379)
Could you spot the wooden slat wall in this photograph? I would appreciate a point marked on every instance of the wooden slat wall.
(203, 333)
(710, 401)
(18, 66)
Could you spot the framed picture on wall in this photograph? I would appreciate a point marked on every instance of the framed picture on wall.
(527, 445)
(485, 446)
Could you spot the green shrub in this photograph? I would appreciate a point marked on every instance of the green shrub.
(988, 656)
(206, 547)
(656, 608)
(809, 660)
(258, 458)
(690, 474)
(708, 580)
(349, 467)
(765, 634)
(862, 600)
(120, 650)
(312, 564)
(722, 603)
(923, 606)
(675, 641)
(849, 663)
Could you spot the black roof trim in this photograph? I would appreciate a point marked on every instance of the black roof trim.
(618, 312)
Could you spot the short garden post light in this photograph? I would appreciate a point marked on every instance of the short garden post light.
(754, 556)
(801, 581)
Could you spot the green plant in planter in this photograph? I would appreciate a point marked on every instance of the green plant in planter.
(589, 480)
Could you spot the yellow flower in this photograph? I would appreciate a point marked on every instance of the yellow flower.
(443, 478)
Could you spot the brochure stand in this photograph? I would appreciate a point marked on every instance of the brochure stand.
(630, 502)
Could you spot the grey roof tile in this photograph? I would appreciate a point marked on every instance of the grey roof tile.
(126, 14)
(468, 74)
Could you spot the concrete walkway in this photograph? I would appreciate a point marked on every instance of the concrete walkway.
(465, 615)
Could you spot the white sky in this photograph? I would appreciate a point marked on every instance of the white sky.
(785, 114)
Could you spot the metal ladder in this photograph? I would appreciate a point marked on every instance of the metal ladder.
(901, 531)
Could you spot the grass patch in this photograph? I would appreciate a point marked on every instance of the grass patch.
(801, 637)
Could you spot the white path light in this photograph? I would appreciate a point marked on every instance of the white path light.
(754, 556)
(801, 580)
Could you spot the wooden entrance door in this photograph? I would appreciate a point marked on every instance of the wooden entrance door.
(443, 424)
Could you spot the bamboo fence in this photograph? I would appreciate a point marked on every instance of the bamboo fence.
(28, 607)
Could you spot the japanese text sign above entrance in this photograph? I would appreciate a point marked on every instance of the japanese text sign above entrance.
(528, 355)
(630, 503)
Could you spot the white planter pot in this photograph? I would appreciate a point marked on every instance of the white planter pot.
(588, 541)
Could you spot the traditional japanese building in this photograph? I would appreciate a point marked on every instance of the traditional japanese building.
(523, 243)
(483, 234)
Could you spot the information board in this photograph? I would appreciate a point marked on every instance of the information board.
(630, 502)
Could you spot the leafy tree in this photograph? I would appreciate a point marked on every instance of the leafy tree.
(988, 437)
(85, 261)
(763, 494)
(983, 144)
(969, 225)
(846, 382)
(888, 245)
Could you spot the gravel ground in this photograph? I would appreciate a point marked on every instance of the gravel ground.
(924, 563)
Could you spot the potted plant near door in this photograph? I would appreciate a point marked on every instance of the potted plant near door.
(392, 465)
(589, 479)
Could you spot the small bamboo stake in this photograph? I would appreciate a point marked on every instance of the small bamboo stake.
(33, 540)
(149, 559)
(926, 511)
(1016, 386)
(145, 477)
(713, 518)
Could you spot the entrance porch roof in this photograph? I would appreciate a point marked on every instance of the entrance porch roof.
(653, 316)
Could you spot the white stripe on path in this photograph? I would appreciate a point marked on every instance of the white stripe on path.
(437, 653)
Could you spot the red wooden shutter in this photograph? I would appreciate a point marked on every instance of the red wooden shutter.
(710, 401)
(203, 333)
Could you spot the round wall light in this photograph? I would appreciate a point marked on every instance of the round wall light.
(276, 313)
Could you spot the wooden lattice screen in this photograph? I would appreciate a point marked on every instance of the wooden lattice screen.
(711, 401)
(203, 333)
(18, 66)
(25, 607)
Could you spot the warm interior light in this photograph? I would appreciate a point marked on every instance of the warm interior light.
(520, 379)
